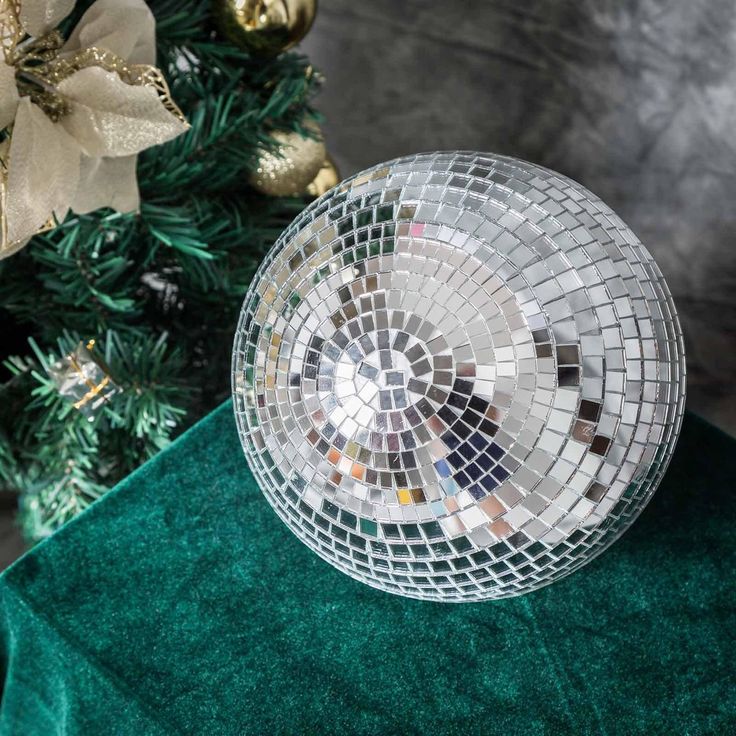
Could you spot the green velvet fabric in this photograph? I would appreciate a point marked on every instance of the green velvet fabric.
(180, 604)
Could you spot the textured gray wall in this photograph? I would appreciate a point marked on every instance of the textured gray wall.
(636, 99)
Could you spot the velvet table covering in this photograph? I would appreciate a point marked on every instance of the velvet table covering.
(180, 604)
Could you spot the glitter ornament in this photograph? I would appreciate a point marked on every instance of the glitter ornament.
(289, 171)
(458, 376)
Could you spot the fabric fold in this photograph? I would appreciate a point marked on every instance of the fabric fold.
(43, 170)
(106, 182)
(9, 96)
(124, 27)
(111, 118)
(41, 16)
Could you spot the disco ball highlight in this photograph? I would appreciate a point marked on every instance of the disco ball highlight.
(458, 376)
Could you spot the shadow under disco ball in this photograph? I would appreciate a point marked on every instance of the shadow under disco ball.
(458, 376)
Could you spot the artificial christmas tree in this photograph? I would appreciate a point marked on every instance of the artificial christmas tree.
(117, 326)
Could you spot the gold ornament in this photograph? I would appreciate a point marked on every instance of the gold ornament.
(265, 26)
(327, 177)
(288, 171)
(82, 380)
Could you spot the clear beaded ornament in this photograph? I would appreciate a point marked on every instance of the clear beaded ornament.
(458, 376)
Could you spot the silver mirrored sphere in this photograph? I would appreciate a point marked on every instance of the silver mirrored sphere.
(458, 376)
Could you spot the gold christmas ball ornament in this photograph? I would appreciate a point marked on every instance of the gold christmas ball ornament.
(265, 26)
(327, 177)
(288, 171)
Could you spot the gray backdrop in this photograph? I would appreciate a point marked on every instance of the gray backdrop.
(636, 99)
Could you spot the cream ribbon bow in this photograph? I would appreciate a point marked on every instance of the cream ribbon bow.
(76, 113)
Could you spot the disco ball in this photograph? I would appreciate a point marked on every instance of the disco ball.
(458, 376)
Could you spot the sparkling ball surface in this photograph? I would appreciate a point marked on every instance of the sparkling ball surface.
(458, 376)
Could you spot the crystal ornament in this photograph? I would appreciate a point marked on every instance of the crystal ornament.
(458, 376)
